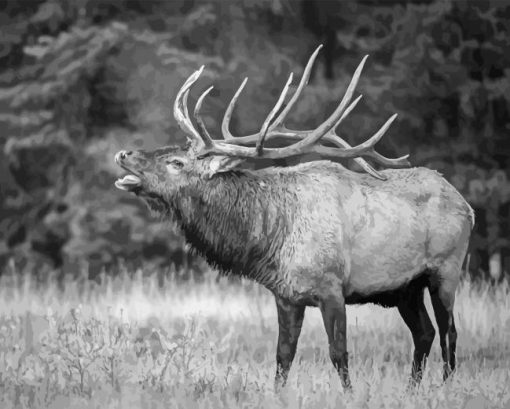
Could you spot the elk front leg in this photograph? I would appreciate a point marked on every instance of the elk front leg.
(290, 320)
(334, 317)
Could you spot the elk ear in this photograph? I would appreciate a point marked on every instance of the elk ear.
(221, 164)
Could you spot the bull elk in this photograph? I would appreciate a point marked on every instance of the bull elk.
(314, 234)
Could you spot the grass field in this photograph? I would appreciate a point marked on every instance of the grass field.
(126, 343)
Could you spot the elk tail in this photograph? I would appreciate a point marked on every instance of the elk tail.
(467, 261)
(472, 217)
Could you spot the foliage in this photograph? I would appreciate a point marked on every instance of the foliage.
(82, 79)
(127, 342)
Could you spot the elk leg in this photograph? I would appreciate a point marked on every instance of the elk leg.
(413, 311)
(334, 317)
(290, 320)
(442, 302)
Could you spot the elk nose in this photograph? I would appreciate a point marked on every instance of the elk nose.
(122, 155)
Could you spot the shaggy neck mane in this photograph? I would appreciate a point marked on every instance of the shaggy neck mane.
(237, 221)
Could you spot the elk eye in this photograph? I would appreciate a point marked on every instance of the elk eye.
(176, 163)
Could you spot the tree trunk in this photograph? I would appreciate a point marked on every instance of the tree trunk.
(504, 213)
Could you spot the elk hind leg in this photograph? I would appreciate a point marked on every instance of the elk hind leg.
(413, 311)
(442, 295)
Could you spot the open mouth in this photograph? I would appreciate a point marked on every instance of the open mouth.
(128, 183)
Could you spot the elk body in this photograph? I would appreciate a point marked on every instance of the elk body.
(315, 234)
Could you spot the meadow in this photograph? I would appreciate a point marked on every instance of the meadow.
(128, 342)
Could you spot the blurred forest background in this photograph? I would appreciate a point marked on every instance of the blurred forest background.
(82, 79)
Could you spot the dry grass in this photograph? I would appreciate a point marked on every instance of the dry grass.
(129, 344)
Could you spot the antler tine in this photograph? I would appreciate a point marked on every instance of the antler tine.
(379, 134)
(302, 84)
(225, 124)
(401, 162)
(331, 136)
(206, 137)
(334, 138)
(274, 111)
(181, 114)
(336, 116)
(344, 115)
(185, 107)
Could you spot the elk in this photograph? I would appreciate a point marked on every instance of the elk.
(314, 234)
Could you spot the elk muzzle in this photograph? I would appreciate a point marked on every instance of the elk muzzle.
(130, 182)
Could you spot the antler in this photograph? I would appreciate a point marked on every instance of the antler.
(181, 107)
(305, 141)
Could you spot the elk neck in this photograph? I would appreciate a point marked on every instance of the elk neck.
(237, 221)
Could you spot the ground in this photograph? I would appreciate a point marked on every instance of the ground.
(128, 343)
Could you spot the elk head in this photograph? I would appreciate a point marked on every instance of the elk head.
(159, 175)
